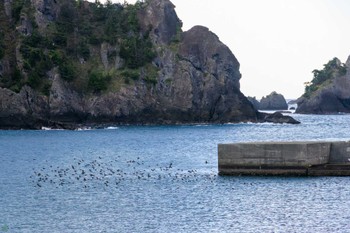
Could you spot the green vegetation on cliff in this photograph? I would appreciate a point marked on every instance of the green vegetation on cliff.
(334, 68)
(84, 42)
(98, 80)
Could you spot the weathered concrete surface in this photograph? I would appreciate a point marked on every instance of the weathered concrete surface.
(274, 154)
(340, 153)
(329, 170)
(284, 158)
(263, 171)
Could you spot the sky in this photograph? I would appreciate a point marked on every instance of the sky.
(277, 42)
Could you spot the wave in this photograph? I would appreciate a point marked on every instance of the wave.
(83, 129)
(111, 127)
(48, 128)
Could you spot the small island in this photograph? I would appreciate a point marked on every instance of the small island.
(328, 92)
(273, 101)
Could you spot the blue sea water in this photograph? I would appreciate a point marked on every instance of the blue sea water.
(163, 179)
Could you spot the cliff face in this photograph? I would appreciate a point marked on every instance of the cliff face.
(332, 95)
(177, 77)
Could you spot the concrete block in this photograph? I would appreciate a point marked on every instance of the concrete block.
(273, 154)
(340, 153)
(257, 171)
(285, 158)
(330, 170)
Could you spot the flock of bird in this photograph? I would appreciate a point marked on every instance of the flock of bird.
(97, 172)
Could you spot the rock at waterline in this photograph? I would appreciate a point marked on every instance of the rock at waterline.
(277, 117)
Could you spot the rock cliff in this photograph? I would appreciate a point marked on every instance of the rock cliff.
(328, 95)
(75, 62)
(273, 101)
(254, 101)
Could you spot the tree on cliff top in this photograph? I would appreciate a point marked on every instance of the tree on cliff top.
(334, 68)
(71, 40)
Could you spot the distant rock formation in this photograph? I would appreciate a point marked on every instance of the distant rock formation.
(294, 101)
(330, 96)
(273, 101)
(254, 101)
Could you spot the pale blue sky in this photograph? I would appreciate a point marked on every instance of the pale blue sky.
(277, 42)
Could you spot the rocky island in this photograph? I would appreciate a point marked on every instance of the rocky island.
(273, 101)
(66, 63)
(329, 90)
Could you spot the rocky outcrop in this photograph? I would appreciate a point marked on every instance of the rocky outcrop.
(214, 75)
(196, 79)
(254, 101)
(45, 11)
(199, 83)
(26, 27)
(273, 101)
(161, 18)
(329, 99)
(23, 110)
(65, 104)
(8, 8)
(277, 117)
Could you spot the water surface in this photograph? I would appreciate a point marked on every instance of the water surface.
(163, 179)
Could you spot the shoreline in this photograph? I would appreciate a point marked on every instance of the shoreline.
(38, 124)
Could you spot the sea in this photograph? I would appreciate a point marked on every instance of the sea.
(163, 179)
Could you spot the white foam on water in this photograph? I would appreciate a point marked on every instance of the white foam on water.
(112, 127)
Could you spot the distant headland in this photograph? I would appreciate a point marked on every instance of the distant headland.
(66, 63)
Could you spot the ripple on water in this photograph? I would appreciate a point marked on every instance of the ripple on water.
(163, 179)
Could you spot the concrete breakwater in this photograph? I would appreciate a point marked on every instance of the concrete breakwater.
(285, 158)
